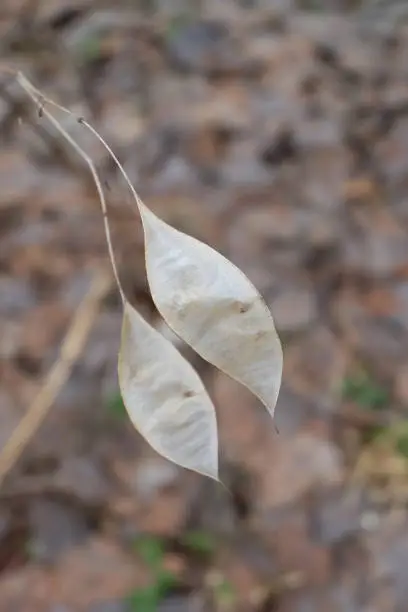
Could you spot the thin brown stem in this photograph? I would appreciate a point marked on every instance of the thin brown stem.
(41, 101)
(138, 201)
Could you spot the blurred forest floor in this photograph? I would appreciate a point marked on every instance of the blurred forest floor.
(276, 131)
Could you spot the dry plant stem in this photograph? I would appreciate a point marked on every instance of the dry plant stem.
(71, 349)
(40, 101)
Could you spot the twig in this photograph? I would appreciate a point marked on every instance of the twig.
(40, 101)
(71, 349)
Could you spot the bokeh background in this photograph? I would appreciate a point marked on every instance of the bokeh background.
(276, 131)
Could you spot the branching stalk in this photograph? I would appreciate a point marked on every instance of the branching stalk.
(41, 102)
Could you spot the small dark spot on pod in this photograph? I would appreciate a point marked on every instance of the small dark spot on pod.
(243, 307)
(188, 393)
